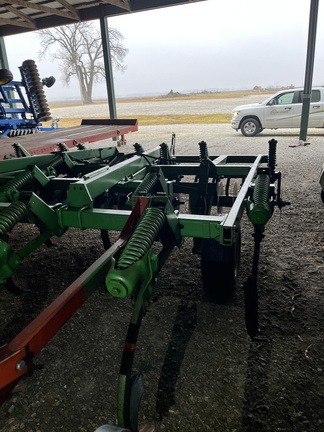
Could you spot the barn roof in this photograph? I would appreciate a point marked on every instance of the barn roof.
(18, 16)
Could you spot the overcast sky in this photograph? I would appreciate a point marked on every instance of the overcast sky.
(213, 44)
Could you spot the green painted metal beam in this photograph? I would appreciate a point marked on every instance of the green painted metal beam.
(83, 192)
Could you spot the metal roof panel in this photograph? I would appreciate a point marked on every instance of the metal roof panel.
(18, 16)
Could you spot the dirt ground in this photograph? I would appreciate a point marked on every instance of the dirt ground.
(201, 371)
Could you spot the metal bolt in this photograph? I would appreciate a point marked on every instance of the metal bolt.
(20, 365)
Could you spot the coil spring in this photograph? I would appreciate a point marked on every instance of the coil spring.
(20, 132)
(261, 189)
(147, 184)
(35, 90)
(164, 153)
(138, 148)
(18, 182)
(203, 150)
(11, 215)
(24, 178)
(272, 155)
(62, 147)
(18, 150)
(143, 237)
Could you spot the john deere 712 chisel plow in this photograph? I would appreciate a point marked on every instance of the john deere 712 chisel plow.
(143, 196)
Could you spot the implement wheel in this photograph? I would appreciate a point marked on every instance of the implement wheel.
(219, 269)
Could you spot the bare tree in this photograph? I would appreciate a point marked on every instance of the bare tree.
(78, 47)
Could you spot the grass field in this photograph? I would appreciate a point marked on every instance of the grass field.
(159, 120)
(148, 120)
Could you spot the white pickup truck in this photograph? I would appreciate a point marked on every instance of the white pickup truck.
(282, 110)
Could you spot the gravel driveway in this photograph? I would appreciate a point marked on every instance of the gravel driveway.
(167, 106)
(215, 135)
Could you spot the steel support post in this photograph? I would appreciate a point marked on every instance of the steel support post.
(108, 66)
(309, 69)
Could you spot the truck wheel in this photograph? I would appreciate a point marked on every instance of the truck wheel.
(5, 76)
(219, 269)
(250, 127)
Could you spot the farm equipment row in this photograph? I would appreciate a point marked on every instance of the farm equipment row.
(141, 195)
(24, 108)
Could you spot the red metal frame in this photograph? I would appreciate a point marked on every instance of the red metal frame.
(90, 130)
(16, 356)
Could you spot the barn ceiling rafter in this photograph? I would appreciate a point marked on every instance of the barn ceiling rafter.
(18, 16)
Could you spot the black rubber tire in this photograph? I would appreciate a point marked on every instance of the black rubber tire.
(5, 76)
(29, 62)
(30, 68)
(44, 118)
(250, 127)
(35, 85)
(43, 107)
(219, 269)
(49, 81)
(322, 195)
